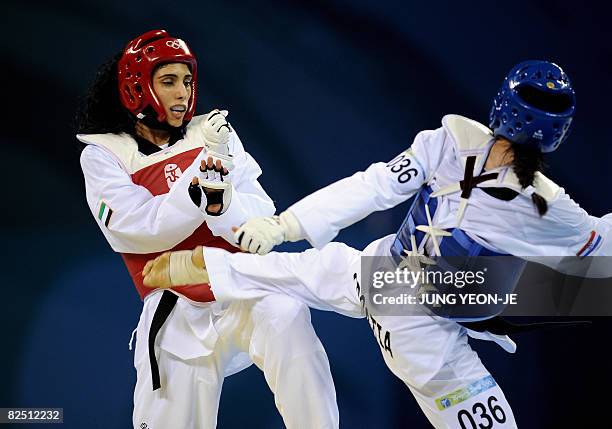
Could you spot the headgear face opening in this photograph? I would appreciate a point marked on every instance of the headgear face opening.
(135, 71)
(535, 105)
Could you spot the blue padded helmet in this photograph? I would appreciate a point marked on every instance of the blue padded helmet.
(535, 105)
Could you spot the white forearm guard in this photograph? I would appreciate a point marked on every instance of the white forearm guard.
(292, 229)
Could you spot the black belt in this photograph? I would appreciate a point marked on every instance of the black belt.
(163, 310)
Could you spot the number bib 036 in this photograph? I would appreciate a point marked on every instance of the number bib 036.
(479, 405)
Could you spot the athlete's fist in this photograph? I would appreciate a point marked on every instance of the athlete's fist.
(216, 132)
(260, 234)
(213, 183)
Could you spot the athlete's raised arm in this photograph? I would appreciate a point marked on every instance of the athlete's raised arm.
(320, 216)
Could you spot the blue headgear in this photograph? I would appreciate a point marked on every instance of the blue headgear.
(535, 105)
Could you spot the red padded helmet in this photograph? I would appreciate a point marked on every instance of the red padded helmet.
(136, 66)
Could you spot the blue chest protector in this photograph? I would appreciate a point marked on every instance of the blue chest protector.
(460, 253)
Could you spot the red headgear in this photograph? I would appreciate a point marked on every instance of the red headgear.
(136, 66)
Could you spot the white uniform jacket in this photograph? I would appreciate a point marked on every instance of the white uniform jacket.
(142, 206)
(438, 158)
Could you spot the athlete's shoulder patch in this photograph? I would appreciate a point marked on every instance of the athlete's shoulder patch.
(104, 213)
(592, 243)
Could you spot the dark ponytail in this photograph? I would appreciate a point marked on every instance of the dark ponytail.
(527, 160)
(101, 111)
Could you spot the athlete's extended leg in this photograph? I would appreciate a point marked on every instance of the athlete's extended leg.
(452, 386)
(283, 342)
(322, 279)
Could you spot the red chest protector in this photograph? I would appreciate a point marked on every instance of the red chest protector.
(157, 178)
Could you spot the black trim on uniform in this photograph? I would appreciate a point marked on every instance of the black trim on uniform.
(148, 148)
(470, 181)
(145, 146)
(504, 194)
(163, 310)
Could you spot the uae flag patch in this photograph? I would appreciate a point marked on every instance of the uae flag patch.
(105, 213)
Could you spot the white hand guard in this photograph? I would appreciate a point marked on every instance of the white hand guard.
(216, 132)
(260, 235)
(216, 186)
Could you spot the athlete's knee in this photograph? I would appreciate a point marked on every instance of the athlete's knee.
(284, 331)
(278, 313)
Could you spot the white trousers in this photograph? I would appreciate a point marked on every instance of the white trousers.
(430, 354)
(274, 332)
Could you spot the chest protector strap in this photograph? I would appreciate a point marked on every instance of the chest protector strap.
(457, 252)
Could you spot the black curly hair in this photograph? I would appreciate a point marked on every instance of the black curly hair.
(101, 111)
